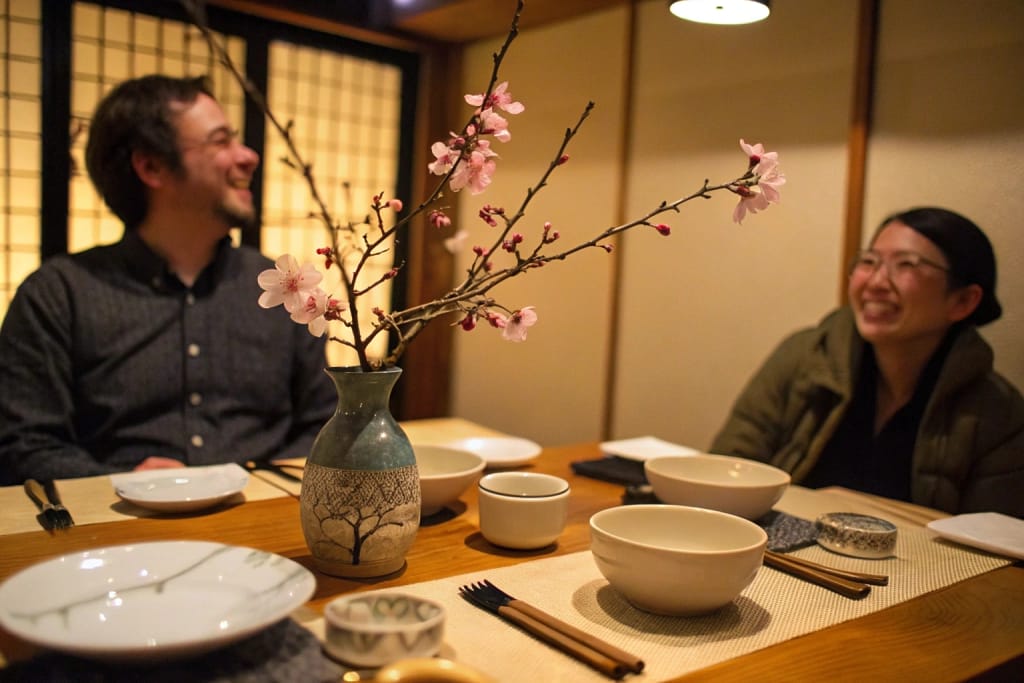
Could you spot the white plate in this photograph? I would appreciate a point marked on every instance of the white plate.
(990, 531)
(152, 601)
(644, 448)
(499, 451)
(181, 489)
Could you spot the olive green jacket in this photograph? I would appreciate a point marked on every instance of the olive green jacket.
(969, 452)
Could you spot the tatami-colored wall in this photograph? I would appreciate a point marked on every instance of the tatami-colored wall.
(701, 309)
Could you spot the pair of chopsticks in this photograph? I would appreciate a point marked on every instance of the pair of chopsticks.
(848, 583)
(52, 513)
(582, 646)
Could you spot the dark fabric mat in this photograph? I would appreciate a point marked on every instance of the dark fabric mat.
(283, 653)
(612, 468)
(786, 532)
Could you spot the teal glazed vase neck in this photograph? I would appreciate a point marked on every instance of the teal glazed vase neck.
(362, 431)
(360, 497)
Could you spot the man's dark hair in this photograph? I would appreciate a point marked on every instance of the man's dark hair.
(137, 115)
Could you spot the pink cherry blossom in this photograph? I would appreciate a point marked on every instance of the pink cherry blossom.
(444, 158)
(518, 322)
(754, 152)
(494, 124)
(500, 97)
(286, 283)
(767, 180)
(311, 313)
(475, 173)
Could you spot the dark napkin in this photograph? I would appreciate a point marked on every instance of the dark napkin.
(785, 532)
(283, 653)
(612, 468)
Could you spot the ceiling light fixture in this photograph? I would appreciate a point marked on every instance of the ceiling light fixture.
(720, 11)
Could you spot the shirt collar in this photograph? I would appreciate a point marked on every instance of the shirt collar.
(147, 266)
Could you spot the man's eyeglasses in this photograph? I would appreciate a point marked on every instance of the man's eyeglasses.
(897, 263)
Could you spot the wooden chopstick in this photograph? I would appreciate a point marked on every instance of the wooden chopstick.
(862, 577)
(850, 589)
(565, 643)
(632, 663)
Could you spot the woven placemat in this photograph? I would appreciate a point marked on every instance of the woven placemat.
(774, 608)
(92, 500)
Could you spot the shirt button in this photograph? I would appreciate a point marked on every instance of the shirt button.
(190, 298)
(195, 398)
(193, 350)
(197, 441)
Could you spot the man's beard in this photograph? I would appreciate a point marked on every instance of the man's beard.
(236, 217)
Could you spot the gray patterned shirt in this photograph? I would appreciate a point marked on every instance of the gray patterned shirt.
(106, 358)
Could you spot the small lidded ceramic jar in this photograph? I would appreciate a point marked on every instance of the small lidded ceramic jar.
(858, 535)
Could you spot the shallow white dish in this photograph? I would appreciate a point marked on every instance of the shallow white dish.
(499, 451)
(180, 490)
(992, 531)
(644, 448)
(152, 601)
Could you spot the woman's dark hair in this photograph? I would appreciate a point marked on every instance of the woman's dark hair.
(136, 115)
(968, 251)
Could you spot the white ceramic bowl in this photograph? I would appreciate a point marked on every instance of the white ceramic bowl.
(718, 482)
(445, 473)
(676, 560)
(380, 627)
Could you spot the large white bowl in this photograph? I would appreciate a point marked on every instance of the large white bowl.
(718, 482)
(445, 473)
(676, 560)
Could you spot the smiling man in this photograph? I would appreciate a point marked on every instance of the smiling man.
(152, 352)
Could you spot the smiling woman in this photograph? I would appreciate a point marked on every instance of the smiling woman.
(896, 394)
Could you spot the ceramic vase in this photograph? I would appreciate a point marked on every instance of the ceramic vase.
(360, 498)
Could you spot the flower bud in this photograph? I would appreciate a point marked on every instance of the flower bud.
(663, 229)
(439, 219)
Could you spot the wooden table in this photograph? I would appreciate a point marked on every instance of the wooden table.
(970, 628)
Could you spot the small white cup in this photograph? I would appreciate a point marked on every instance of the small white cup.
(522, 510)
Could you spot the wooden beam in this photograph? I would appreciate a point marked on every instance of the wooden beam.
(611, 362)
(859, 134)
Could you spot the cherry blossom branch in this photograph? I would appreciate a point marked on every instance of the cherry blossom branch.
(196, 11)
(464, 161)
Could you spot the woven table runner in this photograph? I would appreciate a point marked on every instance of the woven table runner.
(774, 608)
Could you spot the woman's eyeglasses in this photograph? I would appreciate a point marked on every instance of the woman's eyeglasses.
(897, 263)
